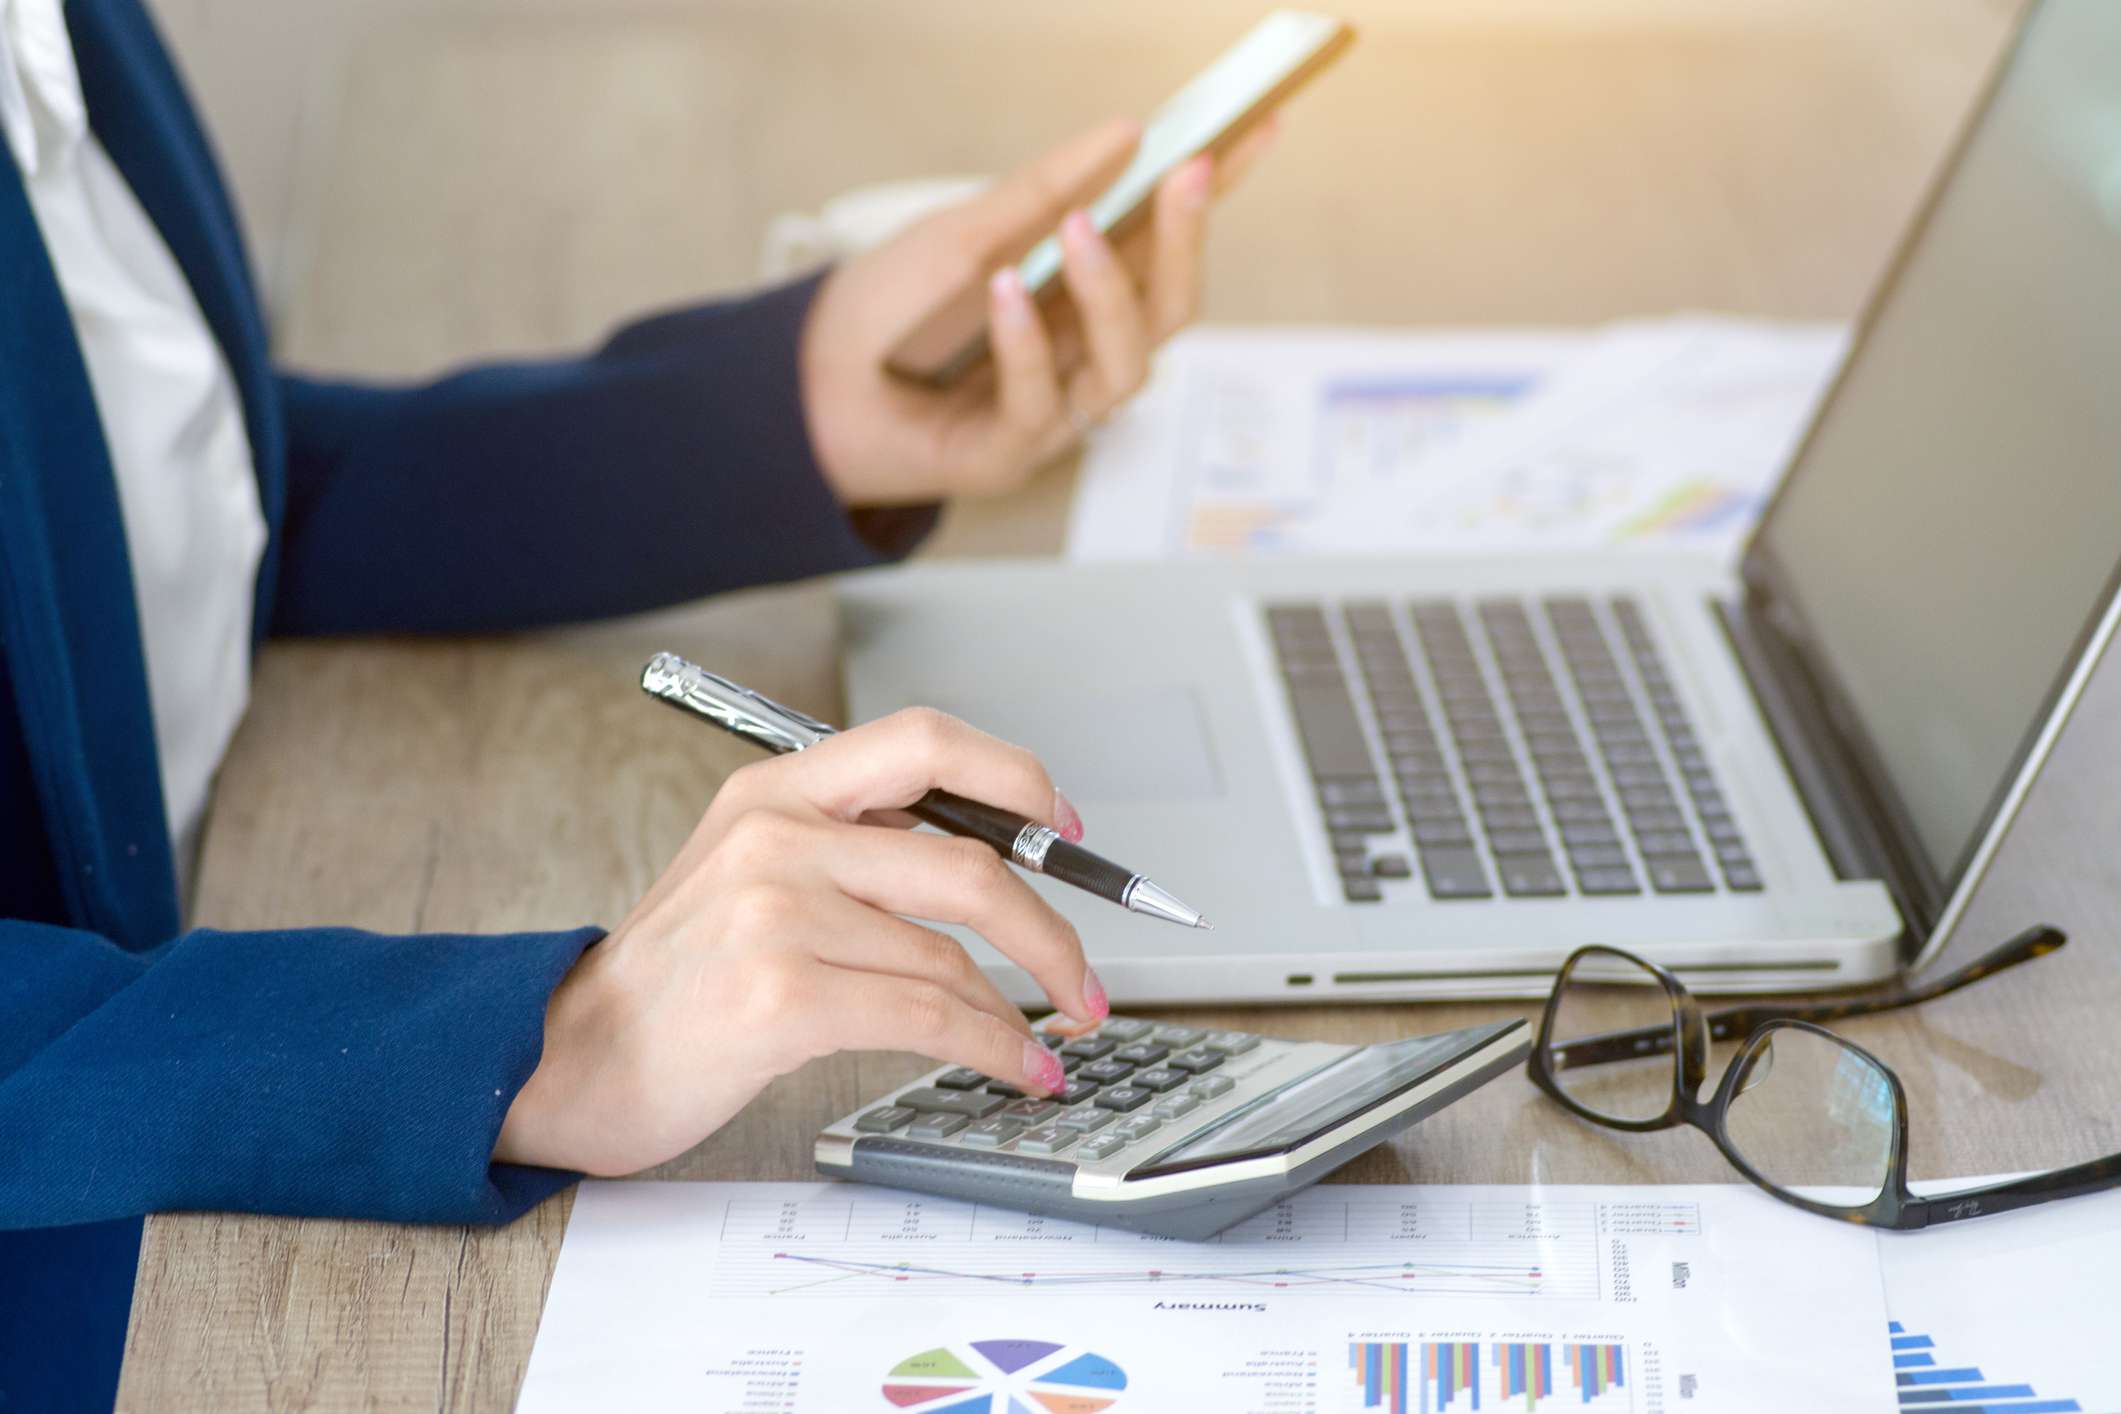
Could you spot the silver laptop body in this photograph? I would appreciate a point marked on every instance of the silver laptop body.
(1436, 776)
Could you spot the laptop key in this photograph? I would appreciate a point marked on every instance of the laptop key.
(1598, 856)
(1360, 888)
(1332, 738)
(1369, 822)
(1455, 874)
(1392, 866)
(1601, 882)
(1642, 821)
(1529, 876)
(1433, 835)
(1368, 791)
(1666, 842)
(1742, 876)
(1677, 875)
(1435, 810)
(1518, 841)
(1513, 818)
(1581, 812)
(1574, 835)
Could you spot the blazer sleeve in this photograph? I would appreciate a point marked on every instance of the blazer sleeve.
(316, 1073)
(670, 463)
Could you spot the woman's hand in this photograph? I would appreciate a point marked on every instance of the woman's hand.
(772, 939)
(881, 441)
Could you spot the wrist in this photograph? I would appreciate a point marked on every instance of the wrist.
(553, 1120)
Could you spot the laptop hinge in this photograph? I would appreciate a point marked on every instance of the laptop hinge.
(1846, 818)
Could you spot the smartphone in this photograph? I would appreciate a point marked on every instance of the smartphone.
(1219, 106)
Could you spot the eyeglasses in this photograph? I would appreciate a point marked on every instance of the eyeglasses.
(1624, 1045)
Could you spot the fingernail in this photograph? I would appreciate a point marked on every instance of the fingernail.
(1043, 1069)
(1007, 287)
(1198, 178)
(1070, 823)
(1094, 996)
(1079, 232)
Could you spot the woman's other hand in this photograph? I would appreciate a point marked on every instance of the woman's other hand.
(881, 441)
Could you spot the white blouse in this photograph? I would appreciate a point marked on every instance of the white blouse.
(171, 417)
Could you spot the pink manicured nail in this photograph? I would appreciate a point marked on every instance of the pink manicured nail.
(1094, 996)
(1064, 816)
(1078, 230)
(1007, 287)
(1043, 1069)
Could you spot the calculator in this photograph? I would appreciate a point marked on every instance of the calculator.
(1166, 1129)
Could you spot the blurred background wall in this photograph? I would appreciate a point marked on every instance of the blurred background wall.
(425, 180)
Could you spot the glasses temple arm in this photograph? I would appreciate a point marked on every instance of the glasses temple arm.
(2092, 1176)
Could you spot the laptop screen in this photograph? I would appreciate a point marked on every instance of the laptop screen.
(1951, 527)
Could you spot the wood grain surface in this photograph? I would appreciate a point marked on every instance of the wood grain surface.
(521, 782)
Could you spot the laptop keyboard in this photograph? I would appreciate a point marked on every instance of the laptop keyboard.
(1535, 749)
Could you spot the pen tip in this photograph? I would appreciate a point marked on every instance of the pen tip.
(1204, 923)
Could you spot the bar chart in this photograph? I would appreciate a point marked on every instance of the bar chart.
(1446, 1377)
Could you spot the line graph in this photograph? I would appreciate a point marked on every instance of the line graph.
(873, 1240)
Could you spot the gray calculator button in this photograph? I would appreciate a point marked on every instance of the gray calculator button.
(1141, 1053)
(972, 1104)
(962, 1078)
(936, 1126)
(991, 1133)
(1091, 1047)
(1046, 1139)
(1104, 1146)
(1199, 1060)
(1077, 1092)
(1120, 1029)
(1004, 1089)
(1175, 1106)
(1106, 1072)
(1160, 1079)
(1034, 1111)
(1124, 1098)
(1139, 1127)
(1178, 1035)
(1230, 1043)
(1208, 1087)
(1086, 1119)
(885, 1120)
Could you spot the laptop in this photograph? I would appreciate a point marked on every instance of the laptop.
(1436, 776)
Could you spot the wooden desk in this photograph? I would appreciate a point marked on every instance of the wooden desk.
(522, 783)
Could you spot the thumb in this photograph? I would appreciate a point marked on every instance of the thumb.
(1011, 216)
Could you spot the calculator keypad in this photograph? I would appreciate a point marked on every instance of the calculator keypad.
(1129, 1083)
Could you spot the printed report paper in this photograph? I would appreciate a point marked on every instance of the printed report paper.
(819, 1298)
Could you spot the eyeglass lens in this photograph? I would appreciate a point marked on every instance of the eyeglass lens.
(1604, 995)
(1810, 1112)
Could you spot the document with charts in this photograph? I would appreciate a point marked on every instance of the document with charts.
(813, 1298)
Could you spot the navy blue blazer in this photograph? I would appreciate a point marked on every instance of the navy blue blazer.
(323, 1071)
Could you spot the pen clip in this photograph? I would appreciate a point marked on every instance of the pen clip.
(731, 706)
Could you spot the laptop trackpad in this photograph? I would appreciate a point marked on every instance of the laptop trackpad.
(1148, 743)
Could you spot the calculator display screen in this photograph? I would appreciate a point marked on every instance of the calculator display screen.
(1307, 1107)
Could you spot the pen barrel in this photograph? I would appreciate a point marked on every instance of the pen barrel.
(1001, 829)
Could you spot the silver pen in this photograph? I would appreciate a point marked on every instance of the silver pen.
(1039, 848)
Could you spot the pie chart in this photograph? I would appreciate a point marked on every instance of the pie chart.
(1005, 1377)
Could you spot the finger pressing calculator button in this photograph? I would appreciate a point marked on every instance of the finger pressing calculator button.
(972, 1104)
(936, 1126)
(1106, 1072)
(885, 1120)
(1119, 1029)
(1141, 1053)
(1046, 1139)
(1087, 1119)
(963, 1078)
(991, 1133)
(1160, 1079)
(1090, 1047)
(1175, 1106)
(1230, 1043)
(1030, 1110)
(1211, 1086)
(1076, 1092)
(1178, 1035)
(1123, 1098)
(1140, 1127)
(1199, 1060)
(1104, 1146)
